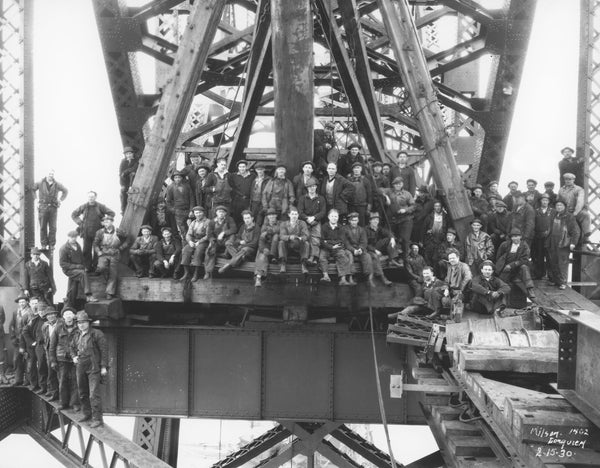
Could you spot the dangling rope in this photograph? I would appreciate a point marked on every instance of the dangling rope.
(378, 381)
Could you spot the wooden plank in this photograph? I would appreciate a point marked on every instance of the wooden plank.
(292, 42)
(568, 299)
(242, 292)
(469, 446)
(172, 111)
(524, 360)
(405, 43)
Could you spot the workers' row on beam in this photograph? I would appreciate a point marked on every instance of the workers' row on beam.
(63, 359)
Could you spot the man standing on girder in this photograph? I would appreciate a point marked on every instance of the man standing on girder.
(180, 202)
(127, 170)
(90, 355)
(39, 280)
(570, 164)
(20, 319)
(574, 196)
(405, 172)
(48, 189)
(325, 148)
(401, 205)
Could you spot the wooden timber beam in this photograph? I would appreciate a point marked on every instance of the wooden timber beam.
(292, 39)
(352, 88)
(259, 68)
(415, 75)
(172, 111)
(157, 7)
(354, 38)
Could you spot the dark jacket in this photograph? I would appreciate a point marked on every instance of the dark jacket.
(521, 256)
(342, 193)
(523, 218)
(407, 174)
(141, 246)
(127, 170)
(228, 227)
(564, 232)
(354, 238)
(61, 342)
(218, 189)
(164, 251)
(482, 287)
(331, 237)
(91, 345)
(375, 236)
(543, 222)
(17, 324)
(179, 197)
(300, 230)
(70, 259)
(249, 235)
(48, 194)
(39, 276)
(363, 191)
(89, 218)
(32, 332)
(312, 207)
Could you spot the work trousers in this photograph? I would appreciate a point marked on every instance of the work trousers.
(38, 367)
(47, 217)
(366, 262)
(88, 383)
(19, 366)
(194, 256)
(402, 228)
(239, 254)
(78, 278)
(67, 384)
(261, 264)
(158, 269)
(558, 265)
(214, 248)
(108, 266)
(375, 264)
(416, 287)
(181, 218)
(583, 219)
(521, 277)
(344, 261)
(52, 379)
(314, 239)
(485, 305)
(269, 243)
(90, 260)
(297, 245)
(539, 258)
(43, 292)
(142, 261)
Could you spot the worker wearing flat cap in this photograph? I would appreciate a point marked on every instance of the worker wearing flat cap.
(88, 218)
(268, 246)
(312, 208)
(127, 169)
(403, 170)
(401, 206)
(108, 244)
(51, 315)
(361, 200)
(242, 246)
(523, 217)
(190, 171)
(218, 188)
(279, 192)
(90, 355)
(532, 195)
(48, 190)
(480, 205)
(256, 191)
(241, 186)
(509, 199)
(355, 241)
(222, 228)
(168, 256)
(478, 246)
(197, 239)
(20, 318)
(307, 169)
(380, 241)
(549, 190)
(489, 293)
(293, 236)
(325, 149)
(543, 222)
(570, 164)
(337, 191)
(353, 155)
(180, 200)
(499, 223)
(39, 279)
(70, 258)
(143, 251)
(512, 263)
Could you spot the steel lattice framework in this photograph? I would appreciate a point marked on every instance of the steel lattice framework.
(16, 137)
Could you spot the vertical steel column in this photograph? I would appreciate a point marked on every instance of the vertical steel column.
(292, 32)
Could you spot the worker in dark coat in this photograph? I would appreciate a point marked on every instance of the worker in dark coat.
(549, 190)
(337, 191)
(532, 195)
(350, 158)
(543, 223)
(381, 241)
(423, 208)
(242, 247)
(414, 264)
(197, 239)
(499, 223)
(160, 217)
(332, 246)
(361, 201)
(19, 320)
(480, 205)
(434, 230)
(127, 169)
(293, 235)
(405, 172)
(70, 259)
(380, 179)
(48, 190)
(34, 344)
(168, 256)
(256, 191)
(509, 199)
(143, 251)
(39, 280)
(478, 246)
(458, 278)
(355, 241)
(47, 330)
(401, 206)
(312, 211)
(489, 292)
(180, 202)
(268, 246)
(325, 148)
(570, 164)
(512, 263)
(190, 171)
(90, 355)
(88, 218)
(222, 228)
(564, 235)
(60, 358)
(241, 187)
(440, 259)
(218, 187)
(523, 217)
(279, 192)
(108, 244)
(199, 186)
(300, 180)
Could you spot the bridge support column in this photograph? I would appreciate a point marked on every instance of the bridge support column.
(160, 436)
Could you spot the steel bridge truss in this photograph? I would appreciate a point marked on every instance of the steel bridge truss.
(477, 123)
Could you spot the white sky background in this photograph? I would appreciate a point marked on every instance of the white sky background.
(76, 134)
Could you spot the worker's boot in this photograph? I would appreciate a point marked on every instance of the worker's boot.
(196, 276)
(371, 280)
(385, 281)
(187, 273)
(282, 267)
(326, 278)
(257, 281)
(351, 281)
(344, 281)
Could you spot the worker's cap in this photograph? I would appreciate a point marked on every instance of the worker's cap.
(221, 157)
(354, 145)
(175, 174)
(72, 233)
(515, 232)
(518, 194)
(146, 226)
(271, 211)
(222, 208)
(68, 309)
(311, 182)
(513, 182)
(412, 244)
(310, 163)
(477, 186)
(500, 204)
(128, 149)
(569, 175)
(397, 180)
(260, 165)
(330, 125)
(567, 148)
(166, 228)
(357, 164)
(373, 215)
(476, 221)
(82, 316)
(293, 208)
(561, 200)
(544, 195)
(493, 182)
(376, 163)
(108, 217)
(423, 189)
(352, 215)
(48, 311)
(549, 184)
(245, 212)
(387, 165)
(203, 166)
(199, 208)
(451, 230)
(195, 154)
(36, 251)
(533, 181)
(22, 296)
(242, 161)
(487, 263)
